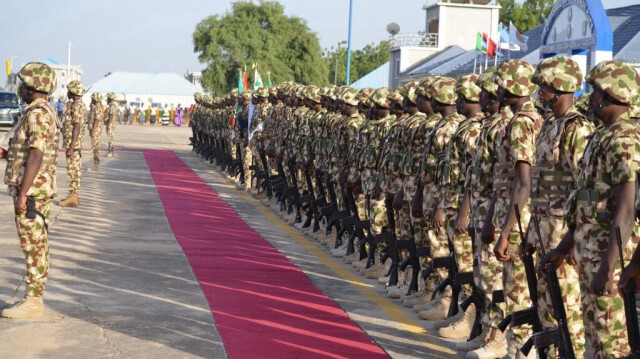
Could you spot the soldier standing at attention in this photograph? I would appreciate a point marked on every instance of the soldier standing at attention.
(73, 137)
(561, 144)
(603, 200)
(111, 117)
(96, 118)
(31, 179)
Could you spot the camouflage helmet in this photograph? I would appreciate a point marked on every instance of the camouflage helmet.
(443, 90)
(111, 96)
(98, 97)
(395, 96)
(39, 77)
(467, 88)
(262, 91)
(618, 80)
(423, 86)
(273, 91)
(364, 95)
(246, 95)
(76, 87)
(315, 94)
(596, 70)
(380, 97)
(560, 73)
(582, 102)
(349, 96)
(234, 92)
(487, 81)
(514, 76)
(196, 96)
(408, 91)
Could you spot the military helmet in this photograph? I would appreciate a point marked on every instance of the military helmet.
(39, 77)
(111, 96)
(560, 73)
(234, 92)
(315, 94)
(349, 96)
(596, 70)
(332, 93)
(395, 96)
(422, 88)
(262, 91)
(487, 81)
(364, 95)
(515, 77)
(98, 97)
(76, 87)
(196, 96)
(380, 97)
(246, 94)
(409, 91)
(467, 88)
(618, 80)
(443, 90)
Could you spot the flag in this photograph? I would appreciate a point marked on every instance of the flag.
(240, 82)
(481, 44)
(491, 45)
(245, 80)
(257, 79)
(268, 82)
(516, 38)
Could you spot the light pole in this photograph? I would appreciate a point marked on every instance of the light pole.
(349, 43)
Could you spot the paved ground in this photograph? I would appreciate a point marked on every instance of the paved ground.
(120, 286)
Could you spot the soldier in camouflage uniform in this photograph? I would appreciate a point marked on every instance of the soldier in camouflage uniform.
(73, 138)
(31, 175)
(96, 120)
(511, 185)
(452, 178)
(242, 140)
(603, 200)
(110, 119)
(560, 145)
(256, 140)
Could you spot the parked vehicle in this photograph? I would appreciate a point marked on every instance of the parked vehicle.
(10, 109)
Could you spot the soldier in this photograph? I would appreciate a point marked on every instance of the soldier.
(560, 145)
(73, 138)
(31, 179)
(511, 185)
(260, 113)
(241, 139)
(96, 120)
(603, 200)
(110, 119)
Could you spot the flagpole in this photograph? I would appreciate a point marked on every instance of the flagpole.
(349, 43)
(475, 61)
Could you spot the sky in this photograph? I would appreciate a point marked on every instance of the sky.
(156, 35)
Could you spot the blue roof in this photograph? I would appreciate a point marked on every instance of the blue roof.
(625, 22)
(163, 83)
(51, 61)
(425, 66)
(374, 79)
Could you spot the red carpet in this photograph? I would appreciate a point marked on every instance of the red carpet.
(264, 306)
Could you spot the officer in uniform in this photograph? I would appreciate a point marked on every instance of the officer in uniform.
(32, 154)
(73, 138)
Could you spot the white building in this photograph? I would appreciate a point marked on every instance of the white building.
(64, 75)
(148, 88)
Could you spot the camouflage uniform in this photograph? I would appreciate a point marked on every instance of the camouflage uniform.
(516, 143)
(612, 157)
(75, 116)
(110, 119)
(96, 114)
(560, 145)
(39, 129)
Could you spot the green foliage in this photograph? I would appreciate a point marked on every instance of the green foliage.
(363, 61)
(262, 34)
(525, 16)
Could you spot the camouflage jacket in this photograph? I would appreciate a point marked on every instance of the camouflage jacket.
(75, 115)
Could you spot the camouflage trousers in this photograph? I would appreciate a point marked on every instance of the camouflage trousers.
(461, 242)
(552, 230)
(74, 171)
(35, 246)
(111, 133)
(485, 273)
(95, 145)
(516, 292)
(604, 318)
(246, 162)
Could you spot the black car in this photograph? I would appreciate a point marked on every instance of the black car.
(10, 109)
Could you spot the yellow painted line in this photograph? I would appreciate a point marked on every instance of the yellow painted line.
(389, 307)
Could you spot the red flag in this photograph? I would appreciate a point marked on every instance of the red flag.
(245, 81)
(491, 45)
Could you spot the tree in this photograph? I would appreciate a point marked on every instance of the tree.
(525, 16)
(262, 34)
(363, 61)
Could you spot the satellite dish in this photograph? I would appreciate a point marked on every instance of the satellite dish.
(393, 28)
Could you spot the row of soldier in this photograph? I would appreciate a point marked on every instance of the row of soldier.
(448, 191)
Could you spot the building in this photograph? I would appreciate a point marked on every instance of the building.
(581, 29)
(149, 88)
(195, 78)
(64, 74)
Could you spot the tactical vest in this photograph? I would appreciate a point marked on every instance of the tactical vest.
(551, 181)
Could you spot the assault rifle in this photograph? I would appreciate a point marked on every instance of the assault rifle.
(630, 310)
(558, 336)
(529, 315)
